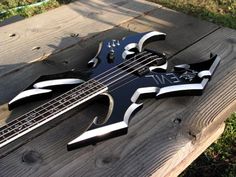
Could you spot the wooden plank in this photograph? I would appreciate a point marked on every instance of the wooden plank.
(191, 153)
(76, 57)
(154, 136)
(197, 150)
(38, 37)
(192, 150)
(204, 122)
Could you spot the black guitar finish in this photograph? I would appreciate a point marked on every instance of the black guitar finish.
(139, 73)
(186, 79)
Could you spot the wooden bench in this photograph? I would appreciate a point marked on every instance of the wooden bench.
(163, 139)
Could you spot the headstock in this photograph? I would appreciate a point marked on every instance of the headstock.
(115, 51)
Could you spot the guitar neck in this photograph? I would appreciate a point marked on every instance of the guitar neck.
(67, 101)
(50, 110)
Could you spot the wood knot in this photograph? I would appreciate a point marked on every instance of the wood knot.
(231, 40)
(36, 48)
(65, 62)
(75, 35)
(31, 157)
(193, 136)
(106, 161)
(12, 35)
(177, 120)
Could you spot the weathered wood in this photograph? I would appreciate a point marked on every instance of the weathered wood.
(209, 111)
(38, 37)
(162, 129)
(193, 151)
(179, 25)
(69, 58)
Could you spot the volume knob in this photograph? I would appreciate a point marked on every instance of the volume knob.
(111, 56)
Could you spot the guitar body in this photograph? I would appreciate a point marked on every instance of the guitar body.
(126, 98)
(123, 71)
(119, 94)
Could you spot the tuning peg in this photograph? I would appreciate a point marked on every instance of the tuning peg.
(109, 45)
(117, 42)
(113, 43)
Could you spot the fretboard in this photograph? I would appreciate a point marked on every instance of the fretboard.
(78, 95)
(50, 110)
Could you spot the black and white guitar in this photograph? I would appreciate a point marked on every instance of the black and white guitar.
(123, 71)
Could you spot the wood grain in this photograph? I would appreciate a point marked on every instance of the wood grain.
(38, 37)
(191, 151)
(77, 56)
(155, 137)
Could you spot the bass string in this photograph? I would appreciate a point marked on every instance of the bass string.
(131, 77)
(120, 71)
(115, 67)
(28, 126)
(129, 72)
(82, 84)
(70, 105)
(113, 81)
(114, 74)
(10, 128)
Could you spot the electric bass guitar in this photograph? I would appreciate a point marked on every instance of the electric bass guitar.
(122, 70)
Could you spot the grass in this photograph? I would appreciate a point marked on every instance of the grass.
(219, 160)
(8, 7)
(222, 12)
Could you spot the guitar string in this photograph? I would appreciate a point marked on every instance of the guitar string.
(46, 103)
(57, 107)
(13, 124)
(22, 130)
(115, 67)
(124, 75)
(113, 81)
(89, 81)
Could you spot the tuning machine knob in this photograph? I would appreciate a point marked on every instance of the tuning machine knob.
(113, 43)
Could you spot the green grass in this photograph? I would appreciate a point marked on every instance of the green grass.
(222, 12)
(9, 5)
(219, 160)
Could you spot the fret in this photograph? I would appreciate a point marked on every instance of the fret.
(38, 118)
(28, 121)
(21, 118)
(49, 107)
(2, 138)
(39, 110)
(8, 131)
(14, 124)
(56, 103)
(44, 107)
(49, 110)
(62, 101)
